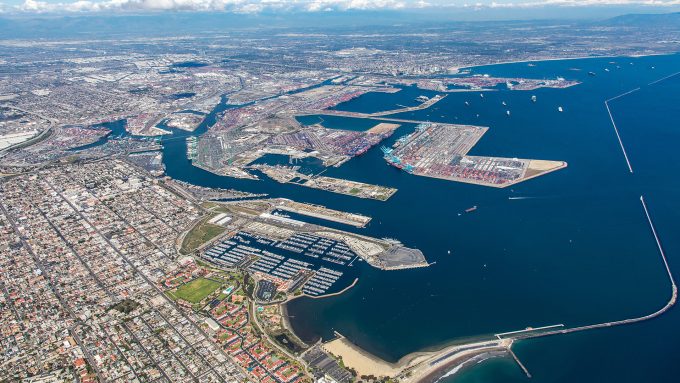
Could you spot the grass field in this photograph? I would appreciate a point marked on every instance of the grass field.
(200, 234)
(196, 290)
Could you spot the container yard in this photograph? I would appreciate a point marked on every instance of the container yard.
(440, 151)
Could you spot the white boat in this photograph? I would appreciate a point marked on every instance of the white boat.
(559, 109)
(507, 112)
(533, 98)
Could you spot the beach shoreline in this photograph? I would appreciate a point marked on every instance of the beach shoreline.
(416, 367)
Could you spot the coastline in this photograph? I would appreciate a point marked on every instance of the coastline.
(560, 59)
(429, 367)
(456, 365)
(416, 367)
(470, 356)
(562, 165)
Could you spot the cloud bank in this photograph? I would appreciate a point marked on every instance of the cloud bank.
(257, 6)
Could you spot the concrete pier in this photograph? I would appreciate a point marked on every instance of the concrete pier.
(519, 363)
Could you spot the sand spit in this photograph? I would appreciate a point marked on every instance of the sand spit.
(419, 367)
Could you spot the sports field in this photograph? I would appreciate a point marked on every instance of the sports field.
(196, 290)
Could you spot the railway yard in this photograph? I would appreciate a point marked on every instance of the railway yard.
(440, 151)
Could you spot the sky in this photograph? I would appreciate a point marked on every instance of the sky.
(256, 6)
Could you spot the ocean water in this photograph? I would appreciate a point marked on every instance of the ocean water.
(574, 249)
(646, 352)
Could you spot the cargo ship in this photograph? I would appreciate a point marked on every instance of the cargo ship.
(471, 209)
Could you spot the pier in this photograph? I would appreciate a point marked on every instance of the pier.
(502, 334)
(519, 363)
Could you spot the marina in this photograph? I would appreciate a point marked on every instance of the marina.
(321, 263)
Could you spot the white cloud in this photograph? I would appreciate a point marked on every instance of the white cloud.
(255, 6)
(582, 3)
(242, 6)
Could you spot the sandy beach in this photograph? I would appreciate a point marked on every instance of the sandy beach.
(414, 367)
(360, 360)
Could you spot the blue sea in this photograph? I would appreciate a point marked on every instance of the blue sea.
(572, 247)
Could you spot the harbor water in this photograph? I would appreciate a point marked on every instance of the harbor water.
(572, 247)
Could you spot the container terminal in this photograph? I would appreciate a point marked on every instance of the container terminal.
(440, 151)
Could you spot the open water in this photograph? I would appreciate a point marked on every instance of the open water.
(572, 247)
